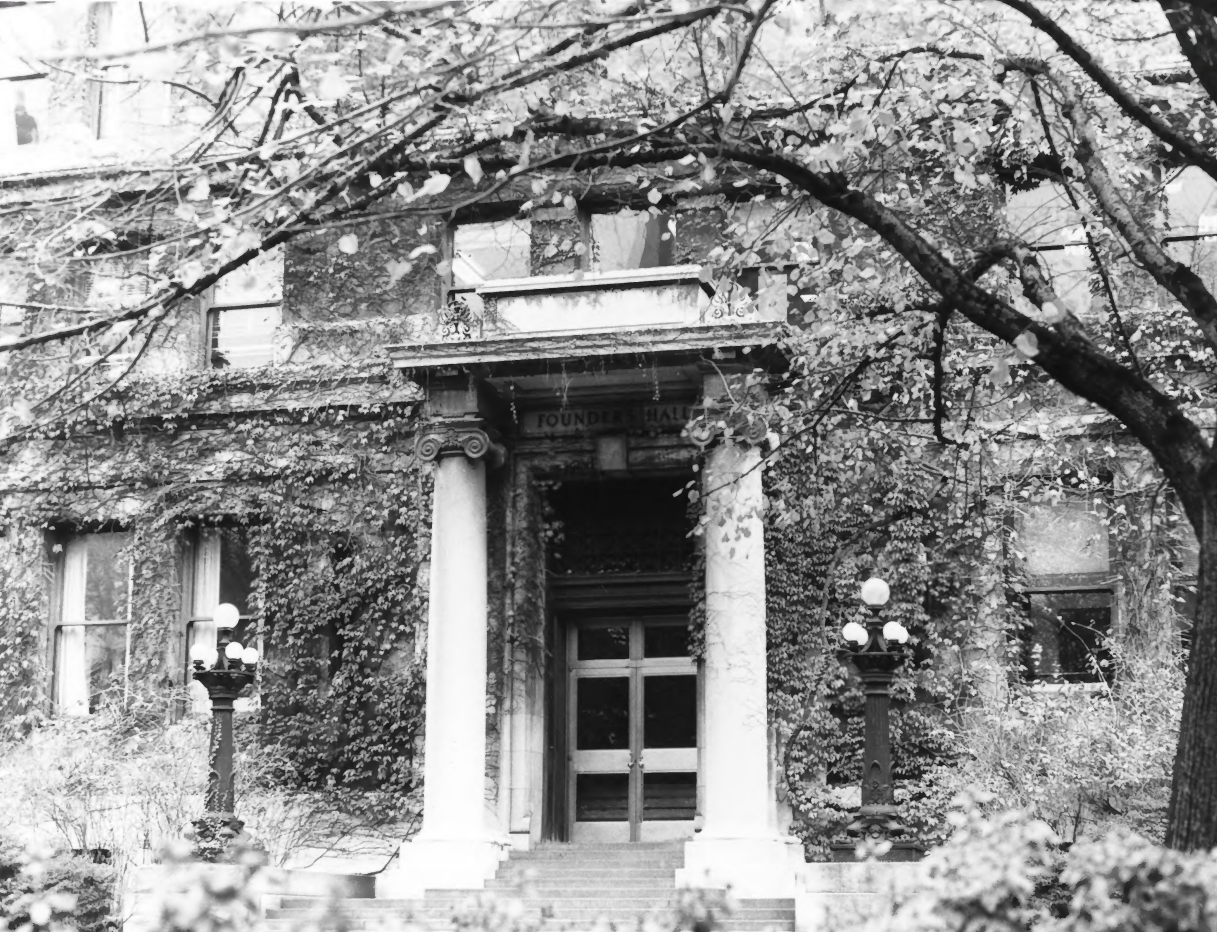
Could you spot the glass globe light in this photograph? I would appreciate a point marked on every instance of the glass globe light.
(233, 651)
(212, 656)
(896, 632)
(200, 652)
(226, 615)
(249, 656)
(855, 633)
(875, 592)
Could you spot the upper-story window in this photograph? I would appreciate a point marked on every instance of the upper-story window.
(1191, 206)
(24, 103)
(221, 572)
(630, 239)
(90, 631)
(1065, 549)
(246, 310)
(557, 242)
(483, 252)
(1044, 217)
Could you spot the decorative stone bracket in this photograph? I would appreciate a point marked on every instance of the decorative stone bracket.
(705, 430)
(438, 440)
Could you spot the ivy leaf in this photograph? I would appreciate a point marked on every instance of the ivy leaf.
(333, 85)
(436, 184)
(200, 190)
(473, 168)
(1027, 345)
(397, 270)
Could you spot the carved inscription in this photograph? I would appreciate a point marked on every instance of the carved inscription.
(574, 421)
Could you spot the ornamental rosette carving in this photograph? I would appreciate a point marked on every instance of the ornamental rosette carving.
(465, 440)
(704, 431)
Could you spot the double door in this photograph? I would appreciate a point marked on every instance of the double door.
(633, 730)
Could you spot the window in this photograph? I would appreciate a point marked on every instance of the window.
(1065, 552)
(1191, 203)
(1064, 639)
(1187, 568)
(483, 252)
(222, 573)
(627, 239)
(24, 100)
(245, 314)
(91, 636)
(1045, 218)
(630, 239)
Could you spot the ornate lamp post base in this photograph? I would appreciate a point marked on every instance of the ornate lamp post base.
(214, 834)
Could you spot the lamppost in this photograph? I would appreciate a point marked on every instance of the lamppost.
(224, 671)
(873, 654)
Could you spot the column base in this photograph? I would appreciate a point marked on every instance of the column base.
(436, 864)
(751, 867)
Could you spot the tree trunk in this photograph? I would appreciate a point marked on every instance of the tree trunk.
(1192, 817)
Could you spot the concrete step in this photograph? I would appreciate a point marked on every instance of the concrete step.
(556, 925)
(635, 886)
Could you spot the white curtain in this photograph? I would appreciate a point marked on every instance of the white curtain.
(72, 670)
(206, 597)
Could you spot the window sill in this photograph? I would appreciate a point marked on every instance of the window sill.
(1090, 689)
(664, 274)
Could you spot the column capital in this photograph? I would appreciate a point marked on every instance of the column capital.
(471, 439)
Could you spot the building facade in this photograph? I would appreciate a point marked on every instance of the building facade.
(505, 492)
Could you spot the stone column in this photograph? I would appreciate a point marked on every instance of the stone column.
(454, 849)
(738, 844)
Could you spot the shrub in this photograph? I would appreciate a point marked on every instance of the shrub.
(38, 892)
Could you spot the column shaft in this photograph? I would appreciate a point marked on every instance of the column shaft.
(454, 772)
(735, 758)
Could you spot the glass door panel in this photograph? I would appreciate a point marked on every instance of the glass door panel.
(602, 772)
(669, 754)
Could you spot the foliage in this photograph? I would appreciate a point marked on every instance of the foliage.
(1008, 871)
(1081, 761)
(54, 891)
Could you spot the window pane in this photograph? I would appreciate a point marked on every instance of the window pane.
(236, 570)
(604, 644)
(482, 252)
(630, 239)
(89, 659)
(259, 281)
(665, 641)
(1063, 538)
(602, 713)
(95, 578)
(243, 337)
(29, 110)
(1065, 638)
(602, 797)
(669, 708)
(669, 796)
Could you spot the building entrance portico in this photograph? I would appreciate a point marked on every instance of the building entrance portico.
(601, 724)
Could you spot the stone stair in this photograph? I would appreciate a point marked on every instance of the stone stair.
(559, 887)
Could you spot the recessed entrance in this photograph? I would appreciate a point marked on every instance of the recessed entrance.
(632, 730)
(625, 711)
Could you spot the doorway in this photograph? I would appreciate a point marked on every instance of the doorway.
(631, 729)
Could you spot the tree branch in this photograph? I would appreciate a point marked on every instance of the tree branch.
(1121, 97)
